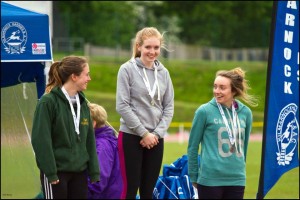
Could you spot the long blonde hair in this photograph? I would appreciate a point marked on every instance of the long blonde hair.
(144, 34)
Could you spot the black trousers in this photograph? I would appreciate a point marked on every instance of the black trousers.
(140, 166)
(220, 192)
(72, 185)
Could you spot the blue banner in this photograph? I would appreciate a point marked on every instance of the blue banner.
(281, 119)
(23, 35)
(25, 47)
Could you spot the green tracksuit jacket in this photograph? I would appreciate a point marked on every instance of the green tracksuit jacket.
(55, 141)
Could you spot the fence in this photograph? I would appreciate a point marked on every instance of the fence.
(62, 44)
(179, 51)
(184, 52)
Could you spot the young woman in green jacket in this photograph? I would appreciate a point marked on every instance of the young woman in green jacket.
(63, 137)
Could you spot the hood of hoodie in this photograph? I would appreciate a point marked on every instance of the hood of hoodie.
(59, 93)
(157, 64)
(106, 133)
(238, 109)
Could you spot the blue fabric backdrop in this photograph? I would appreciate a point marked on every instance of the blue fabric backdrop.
(25, 46)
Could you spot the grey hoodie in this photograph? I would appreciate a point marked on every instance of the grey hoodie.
(133, 101)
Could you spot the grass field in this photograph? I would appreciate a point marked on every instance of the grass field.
(19, 174)
(20, 179)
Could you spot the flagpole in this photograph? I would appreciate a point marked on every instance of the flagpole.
(260, 193)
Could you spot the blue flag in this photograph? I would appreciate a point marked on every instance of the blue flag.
(281, 121)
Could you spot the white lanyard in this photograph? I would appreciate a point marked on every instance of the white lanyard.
(234, 123)
(147, 83)
(76, 118)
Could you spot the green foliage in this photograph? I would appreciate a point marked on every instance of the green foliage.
(229, 24)
(224, 24)
(106, 23)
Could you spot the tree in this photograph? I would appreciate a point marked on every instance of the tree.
(105, 23)
(230, 24)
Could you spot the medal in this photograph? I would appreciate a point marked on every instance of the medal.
(152, 102)
(235, 131)
(232, 149)
(147, 83)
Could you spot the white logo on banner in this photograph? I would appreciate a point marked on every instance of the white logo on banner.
(14, 37)
(287, 131)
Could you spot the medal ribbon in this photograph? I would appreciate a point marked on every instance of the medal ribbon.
(236, 127)
(234, 122)
(76, 118)
(146, 81)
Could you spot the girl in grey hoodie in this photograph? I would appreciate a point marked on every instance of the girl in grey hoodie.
(145, 101)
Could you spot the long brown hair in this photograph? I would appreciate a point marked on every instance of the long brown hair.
(60, 71)
(239, 84)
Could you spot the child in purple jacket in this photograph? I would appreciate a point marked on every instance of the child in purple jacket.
(110, 185)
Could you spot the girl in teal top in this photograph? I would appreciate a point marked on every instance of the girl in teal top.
(222, 127)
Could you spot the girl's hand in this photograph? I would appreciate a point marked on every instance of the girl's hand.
(149, 140)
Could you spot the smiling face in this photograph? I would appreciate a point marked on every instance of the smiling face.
(150, 50)
(222, 91)
(82, 80)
